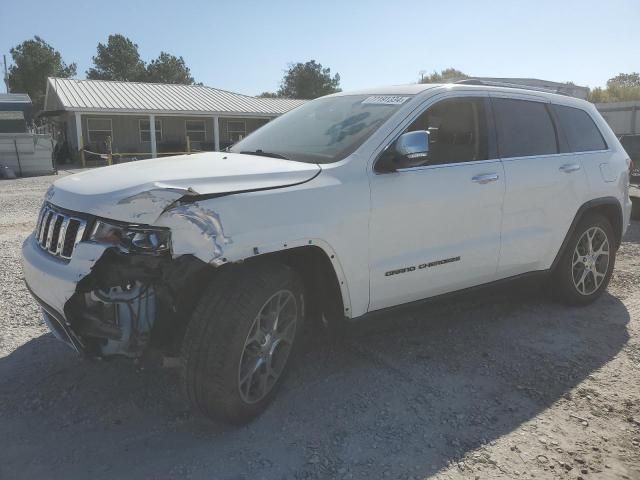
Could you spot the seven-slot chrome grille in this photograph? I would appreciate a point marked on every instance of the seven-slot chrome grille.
(58, 232)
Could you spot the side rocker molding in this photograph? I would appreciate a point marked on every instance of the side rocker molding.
(595, 204)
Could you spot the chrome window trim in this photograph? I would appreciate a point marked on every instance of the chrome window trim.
(493, 160)
(447, 165)
(563, 154)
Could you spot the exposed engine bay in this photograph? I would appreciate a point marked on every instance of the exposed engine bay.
(131, 301)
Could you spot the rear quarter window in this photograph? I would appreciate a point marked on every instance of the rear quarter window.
(580, 130)
(525, 128)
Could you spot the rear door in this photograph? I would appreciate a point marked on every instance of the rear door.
(545, 184)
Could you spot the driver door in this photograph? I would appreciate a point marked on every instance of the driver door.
(435, 228)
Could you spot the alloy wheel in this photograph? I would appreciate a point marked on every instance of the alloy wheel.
(590, 261)
(267, 346)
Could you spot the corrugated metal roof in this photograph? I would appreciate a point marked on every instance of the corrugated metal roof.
(160, 98)
(14, 98)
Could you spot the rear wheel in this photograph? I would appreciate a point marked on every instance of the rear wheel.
(587, 263)
(240, 340)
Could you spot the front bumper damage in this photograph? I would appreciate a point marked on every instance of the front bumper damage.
(52, 282)
(58, 325)
(105, 301)
(108, 298)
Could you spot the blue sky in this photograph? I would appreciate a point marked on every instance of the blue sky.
(245, 46)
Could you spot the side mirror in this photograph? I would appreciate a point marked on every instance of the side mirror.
(411, 149)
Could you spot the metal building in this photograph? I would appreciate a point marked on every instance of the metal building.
(88, 112)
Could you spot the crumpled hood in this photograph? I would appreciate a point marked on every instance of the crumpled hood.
(139, 191)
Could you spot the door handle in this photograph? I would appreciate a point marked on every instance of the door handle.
(485, 178)
(570, 167)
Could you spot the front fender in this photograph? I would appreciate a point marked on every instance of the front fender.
(237, 227)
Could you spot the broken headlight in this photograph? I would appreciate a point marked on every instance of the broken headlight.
(131, 237)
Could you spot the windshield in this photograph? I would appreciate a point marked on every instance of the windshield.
(322, 131)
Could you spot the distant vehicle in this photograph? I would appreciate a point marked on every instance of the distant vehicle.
(350, 204)
(631, 144)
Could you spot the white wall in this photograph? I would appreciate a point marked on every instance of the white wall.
(33, 151)
(622, 117)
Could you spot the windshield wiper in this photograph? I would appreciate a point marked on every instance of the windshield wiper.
(264, 154)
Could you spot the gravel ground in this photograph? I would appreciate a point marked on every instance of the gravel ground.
(503, 384)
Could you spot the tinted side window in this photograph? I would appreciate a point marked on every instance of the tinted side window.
(458, 130)
(524, 128)
(582, 134)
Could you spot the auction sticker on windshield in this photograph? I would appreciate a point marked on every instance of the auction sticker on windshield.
(385, 100)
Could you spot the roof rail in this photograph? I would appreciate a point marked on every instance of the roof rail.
(489, 83)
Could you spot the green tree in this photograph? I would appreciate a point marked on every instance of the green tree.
(624, 80)
(119, 59)
(448, 75)
(33, 61)
(621, 88)
(598, 95)
(308, 80)
(268, 95)
(624, 87)
(168, 68)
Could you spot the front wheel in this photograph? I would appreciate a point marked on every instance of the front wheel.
(240, 339)
(586, 265)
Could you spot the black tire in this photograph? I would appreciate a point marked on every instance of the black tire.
(635, 208)
(565, 286)
(215, 338)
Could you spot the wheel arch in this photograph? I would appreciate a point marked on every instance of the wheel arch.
(324, 283)
(607, 206)
(317, 265)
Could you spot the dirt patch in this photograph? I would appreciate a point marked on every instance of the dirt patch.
(500, 384)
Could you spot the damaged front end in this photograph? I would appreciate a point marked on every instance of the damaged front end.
(131, 301)
(121, 254)
(111, 288)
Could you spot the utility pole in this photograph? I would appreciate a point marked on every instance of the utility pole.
(6, 75)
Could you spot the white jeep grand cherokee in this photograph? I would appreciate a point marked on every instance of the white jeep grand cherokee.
(352, 203)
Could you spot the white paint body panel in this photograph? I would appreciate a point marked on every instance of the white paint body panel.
(367, 224)
(431, 214)
(539, 206)
(120, 191)
(542, 199)
(53, 280)
(329, 212)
